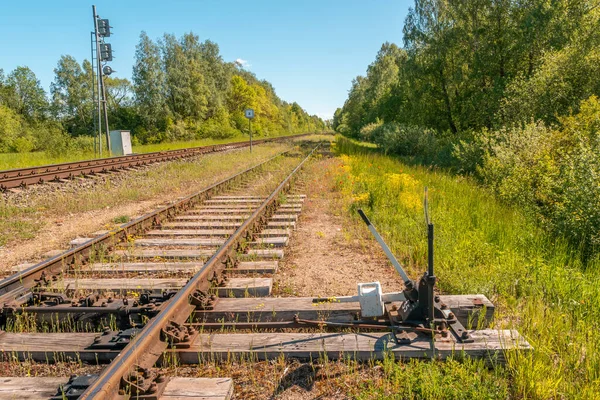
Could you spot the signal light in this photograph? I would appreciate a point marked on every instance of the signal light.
(105, 52)
(103, 28)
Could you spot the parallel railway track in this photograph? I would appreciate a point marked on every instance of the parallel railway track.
(191, 281)
(22, 177)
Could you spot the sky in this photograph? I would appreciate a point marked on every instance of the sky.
(310, 50)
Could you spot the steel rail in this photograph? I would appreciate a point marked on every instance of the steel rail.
(18, 284)
(15, 178)
(147, 347)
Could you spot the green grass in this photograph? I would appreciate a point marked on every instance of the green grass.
(482, 246)
(24, 160)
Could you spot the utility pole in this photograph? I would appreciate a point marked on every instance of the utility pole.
(103, 53)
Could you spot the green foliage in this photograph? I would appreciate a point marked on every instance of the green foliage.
(506, 91)
(480, 64)
(483, 246)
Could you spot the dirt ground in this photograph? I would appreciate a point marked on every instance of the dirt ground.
(323, 258)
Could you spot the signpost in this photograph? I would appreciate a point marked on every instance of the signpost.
(250, 115)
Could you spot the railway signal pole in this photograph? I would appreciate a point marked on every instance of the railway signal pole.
(250, 115)
(103, 53)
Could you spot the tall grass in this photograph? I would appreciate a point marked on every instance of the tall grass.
(484, 246)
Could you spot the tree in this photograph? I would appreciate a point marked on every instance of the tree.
(149, 83)
(186, 93)
(25, 95)
(72, 95)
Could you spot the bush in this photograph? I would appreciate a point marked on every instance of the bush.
(180, 131)
(367, 131)
(551, 172)
(22, 145)
(81, 144)
(11, 126)
(405, 140)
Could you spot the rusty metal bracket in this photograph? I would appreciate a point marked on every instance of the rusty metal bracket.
(202, 300)
(48, 299)
(111, 340)
(177, 335)
(143, 384)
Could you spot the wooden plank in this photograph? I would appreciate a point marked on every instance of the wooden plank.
(271, 241)
(228, 206)
(29, 388)
(284, 217)
(246, 287)
(234, 287)
(224, 211)
(238, 210)
(242, 199)
(488, 343)
(153, 267)
(278, 309)
(50, 347)
(281, 224)
(178, 242)
(466, 308)
(245, 206)
(236, 217)
(206, 242)
(230, 200)
(189, 232)
(256, 267)
(201, 225)
(176, 389)
(274, 232)
(198, 389)
(185, 254)
(118, 285)
(269, 254)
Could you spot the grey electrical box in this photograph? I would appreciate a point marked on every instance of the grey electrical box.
(120, 143)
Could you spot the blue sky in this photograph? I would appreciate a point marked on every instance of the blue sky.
(309, 50)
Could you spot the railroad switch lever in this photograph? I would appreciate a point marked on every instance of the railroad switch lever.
(420, 307)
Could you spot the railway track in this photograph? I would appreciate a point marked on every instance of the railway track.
(192, 281)
(23, 177)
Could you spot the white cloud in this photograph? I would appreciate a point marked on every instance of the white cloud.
(242, 63)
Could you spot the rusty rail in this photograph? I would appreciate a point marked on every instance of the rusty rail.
(19, 284)
(149, 345)
(21, 177)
